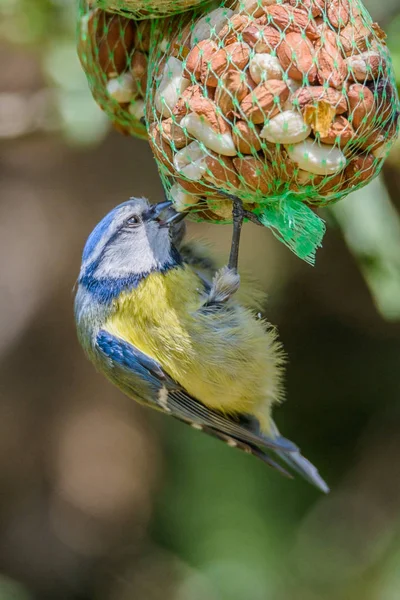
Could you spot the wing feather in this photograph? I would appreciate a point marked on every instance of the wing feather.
(177, 401)
(131, 366)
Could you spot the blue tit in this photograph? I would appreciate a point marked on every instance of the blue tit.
(171, 333)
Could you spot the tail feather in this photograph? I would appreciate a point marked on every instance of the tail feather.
(305, 468)
(288, 453)
(248, 449)
(299, 464)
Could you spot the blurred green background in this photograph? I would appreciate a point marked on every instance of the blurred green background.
(103, 500)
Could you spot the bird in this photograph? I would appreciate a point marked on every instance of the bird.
(172, 330)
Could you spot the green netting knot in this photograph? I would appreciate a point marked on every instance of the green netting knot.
(296, 225)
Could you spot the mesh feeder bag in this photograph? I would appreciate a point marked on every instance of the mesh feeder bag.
(288, 106)
(149, 9)
(113, 51)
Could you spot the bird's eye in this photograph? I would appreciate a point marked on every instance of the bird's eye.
(133, 221)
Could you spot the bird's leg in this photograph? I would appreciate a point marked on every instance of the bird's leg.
(226, 281)
(237, 217)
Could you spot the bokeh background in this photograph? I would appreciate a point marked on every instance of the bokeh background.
(103, 500)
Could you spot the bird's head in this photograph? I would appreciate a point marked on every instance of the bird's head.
(134, 239)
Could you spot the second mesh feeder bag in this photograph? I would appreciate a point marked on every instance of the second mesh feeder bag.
(149, 9)
(113, 51)
(285, 105)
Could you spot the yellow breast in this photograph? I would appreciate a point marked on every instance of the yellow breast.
(154, 316)
(225, 358)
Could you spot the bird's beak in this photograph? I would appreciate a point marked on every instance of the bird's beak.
(176, 217)
(157, 209)
(171, 216)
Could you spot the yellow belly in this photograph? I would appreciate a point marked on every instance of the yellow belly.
(225, 358)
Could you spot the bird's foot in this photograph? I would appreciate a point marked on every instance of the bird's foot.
(225, 283)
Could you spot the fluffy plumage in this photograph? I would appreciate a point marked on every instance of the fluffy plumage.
(169, 331)
(223, 357)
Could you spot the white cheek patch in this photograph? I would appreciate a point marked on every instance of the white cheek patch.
(136, 252)
(119, 215)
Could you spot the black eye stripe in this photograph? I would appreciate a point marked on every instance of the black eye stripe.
(133, 221)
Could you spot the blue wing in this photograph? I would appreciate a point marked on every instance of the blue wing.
(127, 356)
(141, 376)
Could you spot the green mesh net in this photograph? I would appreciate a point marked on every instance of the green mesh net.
(286, 105)
(113, 51)
(149, 9)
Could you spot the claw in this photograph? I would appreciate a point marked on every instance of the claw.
(226, 282)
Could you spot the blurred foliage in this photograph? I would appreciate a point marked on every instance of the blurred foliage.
(379, 262)
(102, 500)
(48, 27)
(393, 29)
